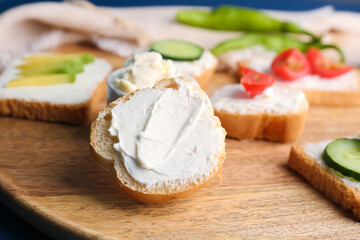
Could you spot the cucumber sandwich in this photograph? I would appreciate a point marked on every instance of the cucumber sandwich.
(333, 167)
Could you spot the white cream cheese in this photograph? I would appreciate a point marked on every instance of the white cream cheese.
(274, 100)
(260, 59)
(195, 68)
(345, 82)
(144, 70)
(68, 93)
(257, 58)
(166, 135)
(315, 151)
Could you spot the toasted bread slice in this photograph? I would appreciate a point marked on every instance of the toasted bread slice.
(102, 149)
(338, 189)
(247, 123)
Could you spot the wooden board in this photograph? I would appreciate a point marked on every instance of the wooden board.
(48, 177)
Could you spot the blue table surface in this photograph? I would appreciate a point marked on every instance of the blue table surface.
(12, 226)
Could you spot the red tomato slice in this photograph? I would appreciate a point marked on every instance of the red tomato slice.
(322, 66)
(290, 65)
(255, 82)
(244, 70)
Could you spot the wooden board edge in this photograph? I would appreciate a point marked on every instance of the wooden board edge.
(45, 221)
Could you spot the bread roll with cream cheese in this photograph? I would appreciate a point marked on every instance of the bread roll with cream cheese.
(161, 143)
(278, 114)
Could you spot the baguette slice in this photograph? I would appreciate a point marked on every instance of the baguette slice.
(74, 103)
(340, 190)
(245, 124)
(204, 78)
(349, 98)
(101, 146)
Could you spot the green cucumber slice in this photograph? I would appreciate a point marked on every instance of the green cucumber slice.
(343, 155)
(177, 50)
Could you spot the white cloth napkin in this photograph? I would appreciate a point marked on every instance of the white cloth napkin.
(40, 26)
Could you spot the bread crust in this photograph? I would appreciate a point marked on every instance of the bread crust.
(81, 113)
(108, 163)
(323, 180)
(349, 98)
(150, 198)
(281, 128)
(204, 78)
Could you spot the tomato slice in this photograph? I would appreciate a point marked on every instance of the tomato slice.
(244, 70)
(290, 64)
(254, 82)
(322, 66)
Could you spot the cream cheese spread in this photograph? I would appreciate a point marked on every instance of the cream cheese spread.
(144, 70)
(260, 59)
(274, 100)
(195, 68)
(257, 58)
(167, 135)
(315, 151)
(68, 93)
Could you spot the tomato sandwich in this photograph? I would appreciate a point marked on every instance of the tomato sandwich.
(324, 80)
(258, 109)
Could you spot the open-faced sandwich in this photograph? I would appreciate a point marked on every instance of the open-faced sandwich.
(53, 87)
(167, 58)
(257, 109)
(325, 82)
(333, 168)
(188, 58)
(161, 142)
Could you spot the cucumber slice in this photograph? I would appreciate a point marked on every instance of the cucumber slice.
(343, 155)
(177, 50)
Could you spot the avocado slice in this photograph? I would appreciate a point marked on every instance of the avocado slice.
(41, 80)
(50, 64)
(83, 57)
(51, 67)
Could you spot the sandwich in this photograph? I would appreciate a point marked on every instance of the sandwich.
(53, 87)
(161, 143)
(257, 109)
(331, 166)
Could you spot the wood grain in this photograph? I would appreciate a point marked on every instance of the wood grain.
(49, 178)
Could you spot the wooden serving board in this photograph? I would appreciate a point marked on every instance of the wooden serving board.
(48, 177)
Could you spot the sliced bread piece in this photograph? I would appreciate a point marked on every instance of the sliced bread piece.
(307, 160)
(161, 143)
(278, 114)
(75, 102)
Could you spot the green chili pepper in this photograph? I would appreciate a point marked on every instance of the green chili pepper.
(275, 42)
(238, 19)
